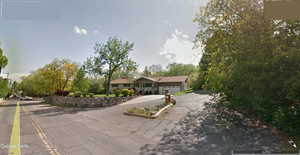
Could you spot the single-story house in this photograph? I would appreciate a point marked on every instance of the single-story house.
(152, 85)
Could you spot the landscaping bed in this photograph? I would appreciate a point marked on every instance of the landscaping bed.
(149, 112)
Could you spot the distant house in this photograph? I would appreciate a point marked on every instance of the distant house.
(152, 85)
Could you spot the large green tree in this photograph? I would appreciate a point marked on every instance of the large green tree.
(56, 76)
(251, 61)
(80, 83)
(3, 60)
(110, 57)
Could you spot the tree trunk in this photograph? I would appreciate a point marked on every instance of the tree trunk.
(108, 84)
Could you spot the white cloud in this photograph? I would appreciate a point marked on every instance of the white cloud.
(80, 31)
(178, 48)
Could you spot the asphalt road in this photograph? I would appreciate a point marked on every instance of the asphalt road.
(47, 130)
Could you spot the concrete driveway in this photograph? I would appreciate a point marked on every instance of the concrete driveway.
(95, 131)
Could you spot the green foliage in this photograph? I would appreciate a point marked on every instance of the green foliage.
(252, 62)
(194, 81)
(131, 92)
(84, 94)
(3, 60)
(77, 94)
(96, 86)
(91, 94)
(81, 83)
(117, 92)
(56, 76)
(184, 92)
(176, 69)
(146, 72)
(4, 88)
(125, 92)
(115, 55)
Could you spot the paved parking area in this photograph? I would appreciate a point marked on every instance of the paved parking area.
(99, 131)
(62, 131)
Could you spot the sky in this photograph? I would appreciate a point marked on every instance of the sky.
(34, 32)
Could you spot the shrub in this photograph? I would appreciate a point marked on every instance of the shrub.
(85, 94)
(71, 94)
(77, 94)
(117, 92)
(131, 92)
(62, 93)
(4, 89)
(125, 92)
(91, 94)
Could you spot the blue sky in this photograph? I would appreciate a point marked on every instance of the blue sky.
(34, 32)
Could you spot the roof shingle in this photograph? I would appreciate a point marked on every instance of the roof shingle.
(162, 79)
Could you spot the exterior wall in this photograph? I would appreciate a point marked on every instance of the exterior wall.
(173, 87)
(141, 86)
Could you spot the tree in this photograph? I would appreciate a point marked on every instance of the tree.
(146, 72)
(177, 69)
(53, 77)
(155, 68)
(3, 60)
(252, 62)
(109, 58)
(4, 88)
(80, 83)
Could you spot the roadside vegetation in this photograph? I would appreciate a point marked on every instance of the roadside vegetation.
(184, 92)
(148, 112)
(110, 61)
(252, 63)
(4, 83)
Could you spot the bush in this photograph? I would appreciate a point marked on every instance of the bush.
(125, 92)
(62, 93)
(4, 89)
(117, 92)
(77, 94)
(91, 94)
(131, 92)
(85, 94)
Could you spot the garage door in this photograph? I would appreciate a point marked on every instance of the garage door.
(172, 89)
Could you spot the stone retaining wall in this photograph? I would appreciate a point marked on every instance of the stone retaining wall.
(86, 102)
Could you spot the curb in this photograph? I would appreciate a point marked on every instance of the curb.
(164, 109)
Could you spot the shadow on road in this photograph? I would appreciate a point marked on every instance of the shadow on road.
(215, 131)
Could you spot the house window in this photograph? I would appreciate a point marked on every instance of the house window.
(148, 85)
(126, 85)
(115, 85)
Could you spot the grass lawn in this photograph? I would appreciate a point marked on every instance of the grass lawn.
(184, 92)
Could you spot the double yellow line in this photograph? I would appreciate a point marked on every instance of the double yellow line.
(15, 140)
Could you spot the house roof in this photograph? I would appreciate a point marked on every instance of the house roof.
(162, 79)
(149, 78)
(121, 81)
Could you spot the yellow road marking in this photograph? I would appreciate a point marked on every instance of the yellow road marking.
(52, 150)
(15, 140)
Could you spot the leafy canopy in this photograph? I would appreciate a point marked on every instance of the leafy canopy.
(3, 60)
(110, 57)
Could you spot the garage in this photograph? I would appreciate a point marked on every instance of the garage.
(172, 89)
